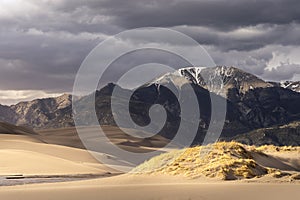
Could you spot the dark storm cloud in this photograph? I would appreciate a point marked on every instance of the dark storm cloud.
(246, 38)
(41, 48)
(42, 43)
(31, 61)
(220, 14)
(210, 22)
(213, 22)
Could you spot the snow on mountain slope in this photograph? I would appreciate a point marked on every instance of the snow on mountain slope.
(292, 85)
(218, 79)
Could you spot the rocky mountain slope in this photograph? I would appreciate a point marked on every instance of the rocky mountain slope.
(39, 112)
(257, 108)
(291, 85)
(7, 114)
(252, 103)
(284, 135)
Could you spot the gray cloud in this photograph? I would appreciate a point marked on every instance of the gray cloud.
(259, 62)
(285, 71)
(42, 43)
(246, 38)
(41, 61)
(220, 14)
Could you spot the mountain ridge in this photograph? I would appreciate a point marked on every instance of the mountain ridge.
(252, 103)
(217, 79)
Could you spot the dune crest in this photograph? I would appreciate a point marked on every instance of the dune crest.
(225, 161)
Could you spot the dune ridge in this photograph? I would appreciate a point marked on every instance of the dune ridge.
(225, 161)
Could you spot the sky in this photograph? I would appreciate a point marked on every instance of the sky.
(44, 42)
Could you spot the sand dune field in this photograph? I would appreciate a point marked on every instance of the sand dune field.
(53, 164)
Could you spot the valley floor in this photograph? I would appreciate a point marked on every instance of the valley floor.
(151, 188)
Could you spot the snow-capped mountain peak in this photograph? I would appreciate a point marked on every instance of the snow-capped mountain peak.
(292, 85)
(216, 79)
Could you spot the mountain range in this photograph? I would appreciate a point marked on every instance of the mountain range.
(254, 107)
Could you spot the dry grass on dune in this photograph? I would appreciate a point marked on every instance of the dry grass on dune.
(224, 160)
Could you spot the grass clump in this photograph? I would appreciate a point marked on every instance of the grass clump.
(222, 160)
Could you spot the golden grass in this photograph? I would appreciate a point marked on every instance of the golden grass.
(223, 160)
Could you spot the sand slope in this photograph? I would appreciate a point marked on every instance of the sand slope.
(59, 151)
(28, 156)
(69, 137)
(150, 188)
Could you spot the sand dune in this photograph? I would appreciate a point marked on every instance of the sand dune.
(28, 156)
(59, 151)
(226, 161)
(58, 155)
(69, 137)
(99, 143)
(33, 163)
(24, 152)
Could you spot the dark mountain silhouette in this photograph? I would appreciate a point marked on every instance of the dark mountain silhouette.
(252, 104)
